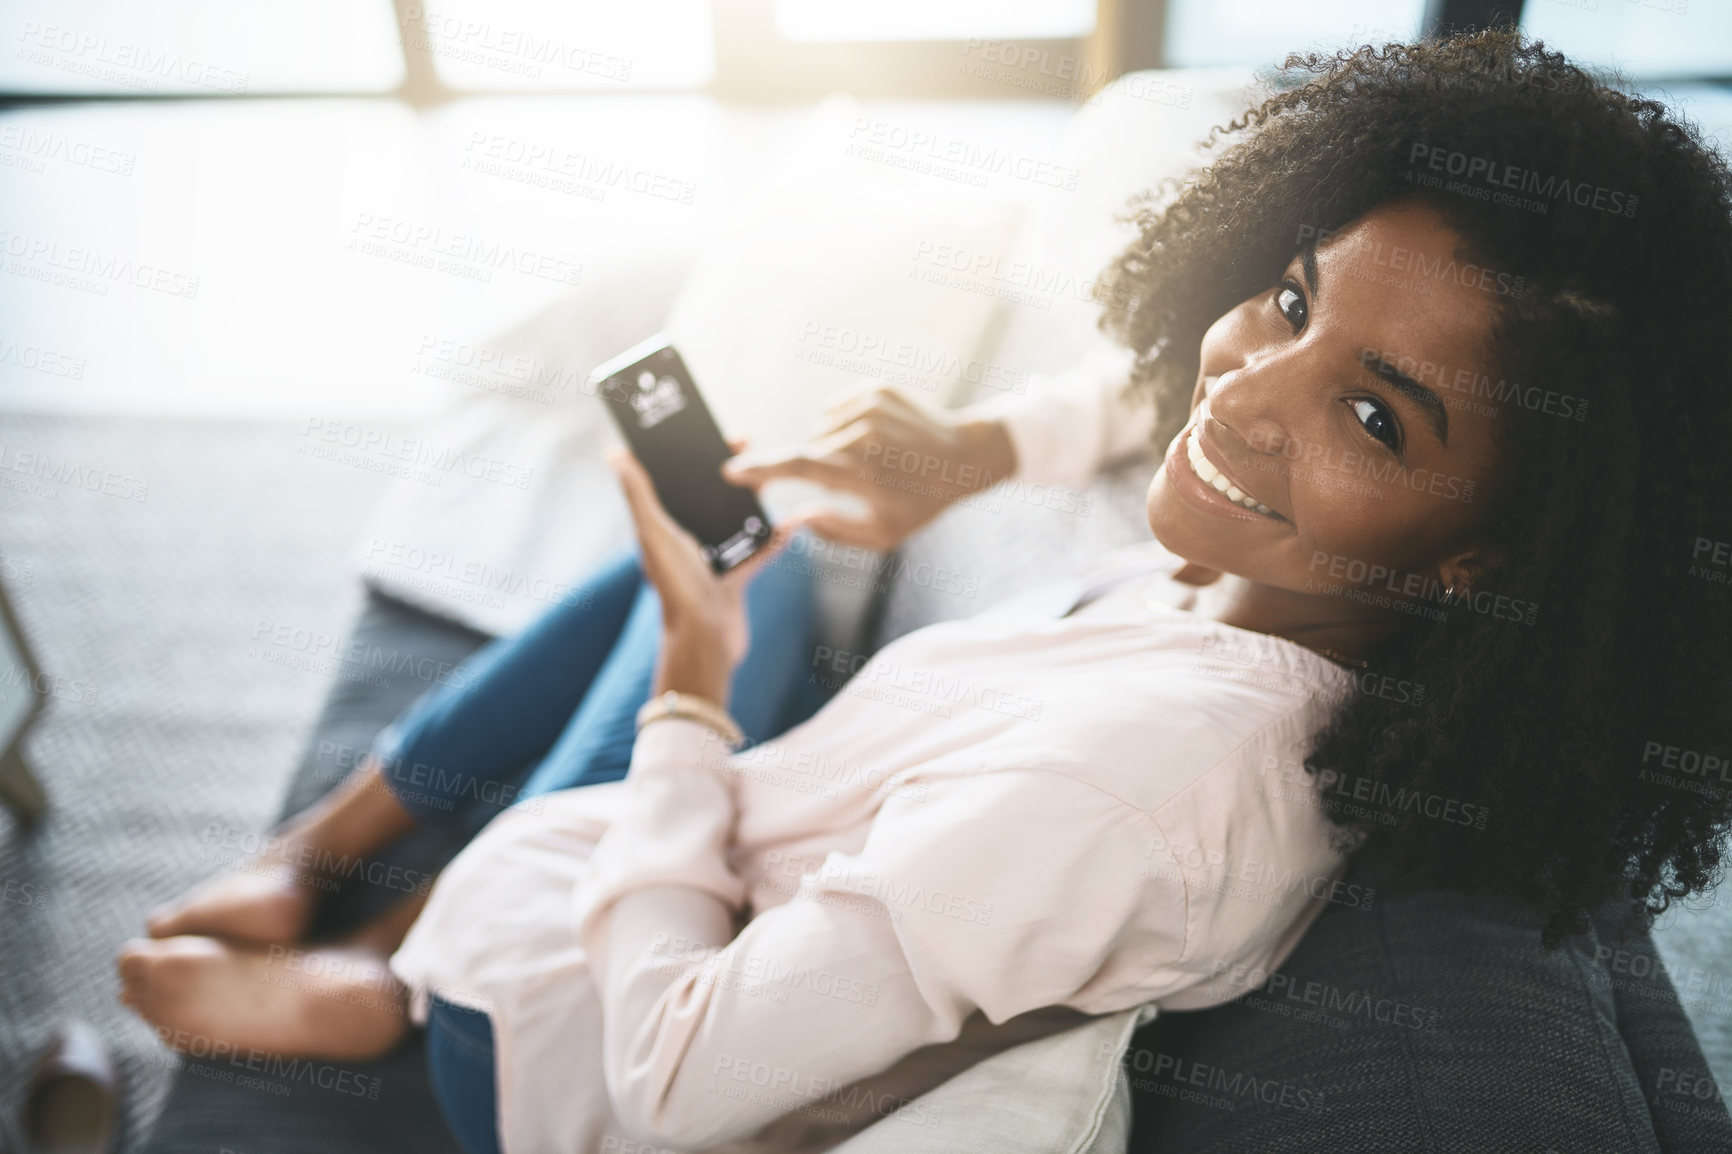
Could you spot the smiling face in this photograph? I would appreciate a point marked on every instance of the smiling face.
(1309, 449)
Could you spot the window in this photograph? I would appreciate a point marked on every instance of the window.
(820, 20)
(1221, 32)
(557, 44)
(1644, 39)
(200, 47)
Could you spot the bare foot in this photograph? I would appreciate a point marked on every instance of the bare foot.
(270, 897)
(267, 899)
(207, 996)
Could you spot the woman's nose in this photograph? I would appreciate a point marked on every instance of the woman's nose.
(1247, 403)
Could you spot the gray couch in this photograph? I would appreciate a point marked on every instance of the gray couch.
(1432, 1022)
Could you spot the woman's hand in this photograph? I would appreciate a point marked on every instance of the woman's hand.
(907, 462)
(705, 634)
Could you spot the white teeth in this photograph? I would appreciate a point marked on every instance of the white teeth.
(1214, 479)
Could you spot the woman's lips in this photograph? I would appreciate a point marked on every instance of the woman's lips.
(1186, 478)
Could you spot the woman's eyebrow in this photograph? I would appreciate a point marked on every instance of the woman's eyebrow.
(1308, 263)
(1436, 412)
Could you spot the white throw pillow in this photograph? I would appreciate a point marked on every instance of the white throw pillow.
(830, 276)
(817, 284)
(1066, 1093)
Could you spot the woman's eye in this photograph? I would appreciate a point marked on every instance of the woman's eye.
(1378, 422)
(1292, 305)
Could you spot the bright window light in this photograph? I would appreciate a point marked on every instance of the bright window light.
(1219, 32)
(1648, 39)
(934, 19)
(204, 47)
(569, 44)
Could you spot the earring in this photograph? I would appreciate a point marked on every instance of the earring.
(1449, 593)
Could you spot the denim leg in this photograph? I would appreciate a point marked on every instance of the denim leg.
(769, 694)
(456, 755)
(460, 1064)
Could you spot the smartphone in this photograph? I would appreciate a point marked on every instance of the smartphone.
(656, 405)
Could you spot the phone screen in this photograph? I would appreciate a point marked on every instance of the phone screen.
(670, 430)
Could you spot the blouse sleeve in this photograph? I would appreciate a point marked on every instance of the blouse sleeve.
(1070, 426)
(1001, 891)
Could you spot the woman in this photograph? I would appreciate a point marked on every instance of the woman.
(1443, 441)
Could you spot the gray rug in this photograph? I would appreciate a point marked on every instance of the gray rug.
(170, 714)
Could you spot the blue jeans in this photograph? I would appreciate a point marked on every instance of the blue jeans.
(460, 1066)
(556, 708)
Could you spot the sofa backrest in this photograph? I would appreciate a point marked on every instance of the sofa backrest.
(1434, 1022)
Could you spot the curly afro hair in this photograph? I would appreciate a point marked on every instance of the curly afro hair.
(1583, 736)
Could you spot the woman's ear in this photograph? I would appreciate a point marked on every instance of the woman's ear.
(1464, 570)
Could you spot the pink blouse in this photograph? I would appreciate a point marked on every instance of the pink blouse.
(997, 826)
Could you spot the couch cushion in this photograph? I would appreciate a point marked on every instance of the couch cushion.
(1428, 1022)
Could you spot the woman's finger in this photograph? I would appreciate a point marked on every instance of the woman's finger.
(827, 464)
(640, 496)
(743, 572)
(866, 533)
(881, 399)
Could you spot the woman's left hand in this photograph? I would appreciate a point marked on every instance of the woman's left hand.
(705, 634)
